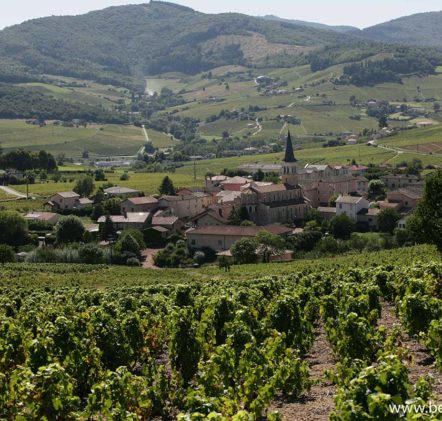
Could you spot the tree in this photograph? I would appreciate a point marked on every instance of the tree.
(426, 223)
(137, 234)
(234, 217)
(69, 229)
(269, 245)
(13, 229)
(314, 215)
(7, 254)
(436, 107)
(332, 200)
(376, 188)
(97, 211)
(107, 230)
(85, 186)
(224, 263)
(383, 121)
(99, 175)
(387, 220)
(244, 251)
(130, 246)
(167, 187)
(342, 226)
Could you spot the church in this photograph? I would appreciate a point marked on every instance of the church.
(277, 203)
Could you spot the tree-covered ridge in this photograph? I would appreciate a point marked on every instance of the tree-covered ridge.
(390, 69)
(418, 29)
(146, 38)
(18, 102)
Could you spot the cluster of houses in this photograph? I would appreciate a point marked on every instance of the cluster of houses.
(203, 214)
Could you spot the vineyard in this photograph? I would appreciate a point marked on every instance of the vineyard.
(224, 349)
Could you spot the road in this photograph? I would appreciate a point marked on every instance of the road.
(259, 127)
(145, 133)
(12, 192)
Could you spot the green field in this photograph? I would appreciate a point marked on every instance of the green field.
(146, 182)
(98, 140)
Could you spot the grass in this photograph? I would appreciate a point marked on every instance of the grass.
(99, 140)
(146, 182)
(35, 275)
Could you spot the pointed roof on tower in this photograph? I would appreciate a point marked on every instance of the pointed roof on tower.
(289, 155)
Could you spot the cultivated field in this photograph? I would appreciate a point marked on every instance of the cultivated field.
(98, 140)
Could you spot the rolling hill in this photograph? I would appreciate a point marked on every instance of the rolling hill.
(116, 43)
(338, 28)
(418, 29)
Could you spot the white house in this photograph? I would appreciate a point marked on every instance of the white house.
(351, 206)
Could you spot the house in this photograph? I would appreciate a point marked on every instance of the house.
(221, 238)
(132, 220)
(171, 223)
(405, 197)
(186, 206)
(67, 201)
(399, 181)
(327, 212)
(213, 184)
(233, 183)
(121, 192)
(368, 218)
(210, 217)
(139, 204)
(402, 223)
(351, 206)
(49, 218)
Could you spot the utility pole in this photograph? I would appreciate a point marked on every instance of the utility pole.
(194, 170)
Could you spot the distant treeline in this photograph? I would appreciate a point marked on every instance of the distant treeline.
(24, 160)
(18, 102)
(373, 72)
(364, 71)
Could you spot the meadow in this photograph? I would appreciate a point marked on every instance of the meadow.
(99, 140)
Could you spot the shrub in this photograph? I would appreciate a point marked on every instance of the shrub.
(90, 254)
(137, 235)
(199, 257)
(7, 254)
(129, 245)
(133, 261)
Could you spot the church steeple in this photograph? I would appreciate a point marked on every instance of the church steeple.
(289, 155)
(289, 172)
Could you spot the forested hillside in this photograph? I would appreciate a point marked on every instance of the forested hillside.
(418, 29)
(117, 42)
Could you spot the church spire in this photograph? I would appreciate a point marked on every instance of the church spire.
(289, 155)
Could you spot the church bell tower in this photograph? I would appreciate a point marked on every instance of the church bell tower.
(289, 169)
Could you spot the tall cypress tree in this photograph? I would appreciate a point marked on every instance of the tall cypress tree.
(167, 187)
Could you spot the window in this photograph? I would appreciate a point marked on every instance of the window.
(220, 242)
(340, 205)
(193, 242)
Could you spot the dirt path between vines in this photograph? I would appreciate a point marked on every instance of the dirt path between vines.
(423, 363)
(316, 404)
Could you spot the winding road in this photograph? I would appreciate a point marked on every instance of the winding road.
(12, 192)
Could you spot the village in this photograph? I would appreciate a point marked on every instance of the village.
(230, 208)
